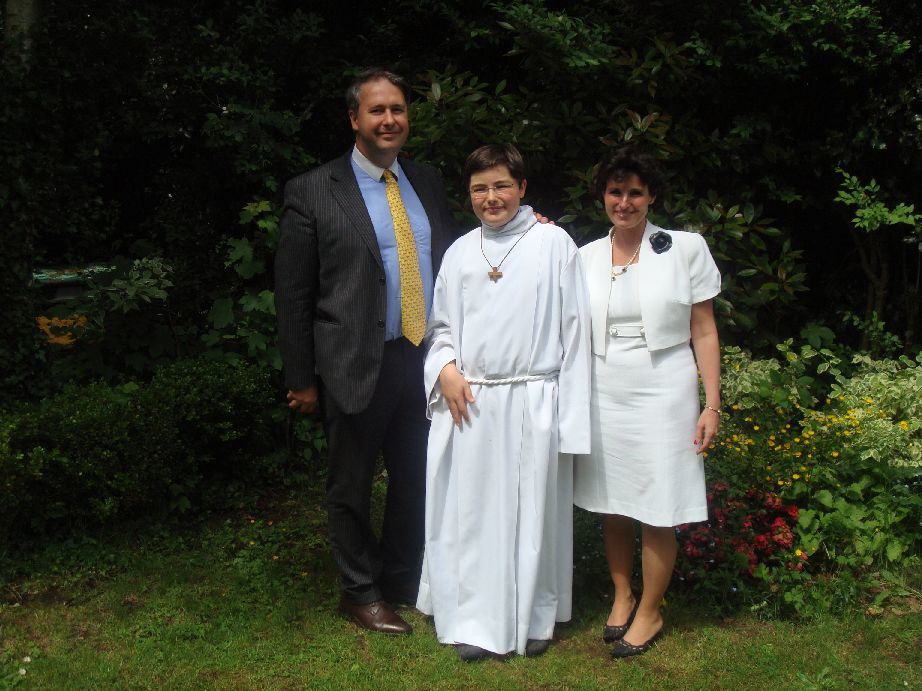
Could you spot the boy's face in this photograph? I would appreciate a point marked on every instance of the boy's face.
(495, 195)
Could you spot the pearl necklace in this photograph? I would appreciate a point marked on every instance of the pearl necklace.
(614, 272)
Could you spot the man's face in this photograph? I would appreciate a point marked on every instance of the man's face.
(381, 123)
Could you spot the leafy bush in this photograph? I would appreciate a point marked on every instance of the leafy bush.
(123, 324)
(94, 454)
(808, 490)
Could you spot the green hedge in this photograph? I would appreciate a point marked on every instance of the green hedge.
(95, 454)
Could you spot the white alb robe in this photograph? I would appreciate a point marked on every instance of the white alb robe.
(499, 518)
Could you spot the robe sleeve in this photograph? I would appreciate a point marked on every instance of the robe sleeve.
(704, 274)
(440, 348)
(573, 382)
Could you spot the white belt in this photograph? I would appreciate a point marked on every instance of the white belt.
(626, 330)
(496, 381)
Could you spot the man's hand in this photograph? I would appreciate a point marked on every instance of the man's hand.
(303, 400)
(456, 391)
(542, 218)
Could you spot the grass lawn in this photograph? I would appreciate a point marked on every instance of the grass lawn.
(247, 600)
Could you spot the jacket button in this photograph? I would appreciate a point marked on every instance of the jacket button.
(380, 323)
(381, 280)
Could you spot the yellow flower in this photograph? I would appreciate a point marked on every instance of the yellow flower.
(904, 425)
(803, 468)
(835, 454)
(781, 482)
(796, 476)
(797, 552)
(755, 427)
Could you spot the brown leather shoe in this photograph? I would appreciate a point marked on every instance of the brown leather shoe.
(375, 616)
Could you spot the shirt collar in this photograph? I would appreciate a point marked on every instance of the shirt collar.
(374, 172)
(523, 220)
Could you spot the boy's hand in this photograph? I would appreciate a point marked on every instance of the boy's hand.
(457, 392)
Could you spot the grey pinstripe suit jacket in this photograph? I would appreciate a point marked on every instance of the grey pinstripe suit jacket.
(329, 278)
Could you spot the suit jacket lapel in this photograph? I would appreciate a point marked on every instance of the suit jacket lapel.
(346, 192)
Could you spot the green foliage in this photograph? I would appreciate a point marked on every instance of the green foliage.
(95, 454)
(870, 212)
(147, 155)
(880, 342)
(841, 454)
(763, 273)
(210, 107)
(243, 319)
(122, 324)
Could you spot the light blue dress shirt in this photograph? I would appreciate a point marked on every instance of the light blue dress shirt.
(371, 184)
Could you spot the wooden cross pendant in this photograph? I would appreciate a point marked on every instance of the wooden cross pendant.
(495, 275)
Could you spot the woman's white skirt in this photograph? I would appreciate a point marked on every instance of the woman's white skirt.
(644, 411)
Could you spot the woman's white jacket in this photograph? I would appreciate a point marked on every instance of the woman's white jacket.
(670, 283)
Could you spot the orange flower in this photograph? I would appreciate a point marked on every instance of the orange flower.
(60, 331)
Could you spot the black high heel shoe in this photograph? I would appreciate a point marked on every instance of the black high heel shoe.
(624, 649)
(610, 634)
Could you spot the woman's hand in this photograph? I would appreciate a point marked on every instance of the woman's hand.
(708, 424)
(456, 391)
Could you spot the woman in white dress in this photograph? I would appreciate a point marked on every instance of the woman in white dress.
(650, 295)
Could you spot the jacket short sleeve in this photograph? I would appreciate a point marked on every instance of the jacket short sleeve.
(703, 272)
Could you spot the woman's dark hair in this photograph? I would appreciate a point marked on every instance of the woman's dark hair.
(493, 155)
(625, 162)
(373, 74)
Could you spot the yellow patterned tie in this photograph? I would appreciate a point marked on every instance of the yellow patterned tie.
(412, 303)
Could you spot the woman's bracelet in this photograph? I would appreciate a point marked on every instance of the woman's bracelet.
(716, 410)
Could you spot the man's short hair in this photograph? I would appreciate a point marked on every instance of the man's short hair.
(370, 75)
(627, 161)
(493, 155)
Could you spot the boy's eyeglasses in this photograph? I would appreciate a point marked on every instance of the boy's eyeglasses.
(501, 190)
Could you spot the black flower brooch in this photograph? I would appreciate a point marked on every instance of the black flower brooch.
(661, 241)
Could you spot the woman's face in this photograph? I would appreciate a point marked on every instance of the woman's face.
(626, 203)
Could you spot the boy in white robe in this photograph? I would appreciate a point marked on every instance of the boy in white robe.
(507, 376)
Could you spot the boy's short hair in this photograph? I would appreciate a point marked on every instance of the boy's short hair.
(626, 161)
(493, 155)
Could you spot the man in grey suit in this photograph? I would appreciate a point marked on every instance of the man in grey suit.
(341, 299)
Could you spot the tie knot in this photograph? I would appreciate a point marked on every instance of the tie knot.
(389, 175)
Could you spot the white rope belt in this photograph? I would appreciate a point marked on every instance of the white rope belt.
(492, 381)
